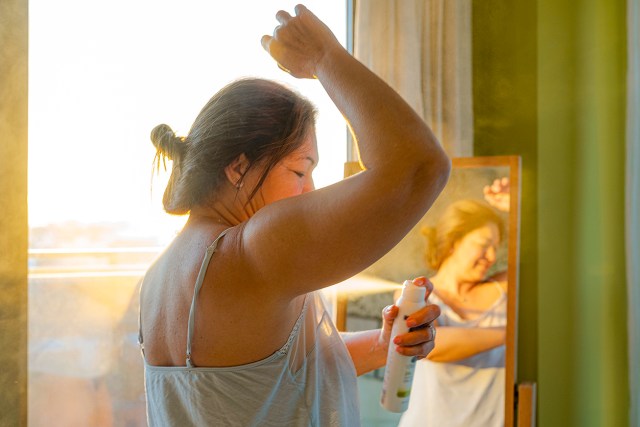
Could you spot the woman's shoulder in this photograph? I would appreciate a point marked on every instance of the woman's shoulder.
(500, 276)
(187, 253)
(490, 287)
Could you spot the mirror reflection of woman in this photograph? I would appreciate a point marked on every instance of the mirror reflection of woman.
(461, 382)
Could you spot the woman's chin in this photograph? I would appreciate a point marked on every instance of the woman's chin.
(478, 275)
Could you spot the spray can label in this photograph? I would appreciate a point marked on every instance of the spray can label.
(405, 386)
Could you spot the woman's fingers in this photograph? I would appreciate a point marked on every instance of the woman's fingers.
(424, 282)
(425, 315)
(300, 42)
(420, 281)
(283, 17)
(389, 313)
(420, 339)
(266, 41)
(416, 336)
(273, 48)
(417, 343)
(299, 9)
(497, 194)
(420, 351)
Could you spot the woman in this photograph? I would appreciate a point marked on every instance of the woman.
(234, 332)
(461, 383)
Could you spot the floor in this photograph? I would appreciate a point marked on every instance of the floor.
(371, 413)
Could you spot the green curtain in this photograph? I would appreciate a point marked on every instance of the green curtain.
(582, 313)
(633, 205)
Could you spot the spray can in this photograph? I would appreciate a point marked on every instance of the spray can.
(398, 374)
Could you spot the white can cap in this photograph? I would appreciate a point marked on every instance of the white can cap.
(412, 292)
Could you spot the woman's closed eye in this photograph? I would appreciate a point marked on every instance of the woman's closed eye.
(485, 244)
(490, 247)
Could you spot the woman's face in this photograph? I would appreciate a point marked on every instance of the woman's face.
(292, 176)
(475, 253)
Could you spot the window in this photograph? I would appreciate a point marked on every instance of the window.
(102, 75)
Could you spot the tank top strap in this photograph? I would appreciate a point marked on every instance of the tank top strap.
(140, 339)
(500, 289)
(192, 311)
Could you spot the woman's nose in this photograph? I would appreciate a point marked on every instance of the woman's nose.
(308, 185)
(490, 254)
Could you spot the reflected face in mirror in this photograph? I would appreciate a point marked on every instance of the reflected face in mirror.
(474, 254)
(462, 246)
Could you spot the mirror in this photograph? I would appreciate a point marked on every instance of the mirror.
(476, 286)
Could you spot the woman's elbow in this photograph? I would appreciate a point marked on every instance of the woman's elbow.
(435, 170)
(444, 165)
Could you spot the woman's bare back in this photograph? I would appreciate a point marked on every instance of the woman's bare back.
(234, 323)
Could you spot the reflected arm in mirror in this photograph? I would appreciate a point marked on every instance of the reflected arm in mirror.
(497, 194)
(455, 343)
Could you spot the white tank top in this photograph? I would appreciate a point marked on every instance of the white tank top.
(309, 381)
(466, 393)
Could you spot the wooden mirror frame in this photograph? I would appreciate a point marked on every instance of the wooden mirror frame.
(513, 257)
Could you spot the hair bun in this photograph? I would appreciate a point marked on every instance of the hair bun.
(166, 142)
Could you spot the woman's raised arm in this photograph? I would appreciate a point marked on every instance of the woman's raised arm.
(333, 233)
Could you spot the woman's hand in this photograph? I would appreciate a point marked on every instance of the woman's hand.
(497, 194)
(299, 43)
(420, 340)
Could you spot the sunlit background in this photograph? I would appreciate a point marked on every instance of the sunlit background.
(103, 74)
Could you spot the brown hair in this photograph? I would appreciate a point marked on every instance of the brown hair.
(258, 118)
(459, 219)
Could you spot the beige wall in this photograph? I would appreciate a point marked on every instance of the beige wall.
(13, 217)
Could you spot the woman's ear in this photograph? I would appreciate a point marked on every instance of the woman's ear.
(235, 170)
